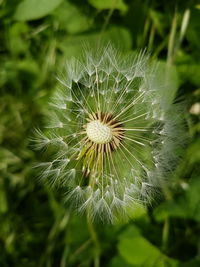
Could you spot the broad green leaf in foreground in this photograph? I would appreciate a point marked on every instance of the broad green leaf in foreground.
(138, 251)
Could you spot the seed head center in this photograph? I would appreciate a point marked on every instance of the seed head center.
(98, 132)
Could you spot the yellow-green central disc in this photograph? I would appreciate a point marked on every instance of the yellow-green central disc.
(98, 132)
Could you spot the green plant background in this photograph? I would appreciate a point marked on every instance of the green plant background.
(36, 38)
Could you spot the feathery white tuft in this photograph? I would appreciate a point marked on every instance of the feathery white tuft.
(113, 140)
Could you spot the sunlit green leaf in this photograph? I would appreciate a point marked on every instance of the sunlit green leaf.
(138, 251)
(109, 4)
(35, 9)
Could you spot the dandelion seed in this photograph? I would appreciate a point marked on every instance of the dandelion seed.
(115, 142)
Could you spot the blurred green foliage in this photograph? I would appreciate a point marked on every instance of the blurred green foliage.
(36, 39)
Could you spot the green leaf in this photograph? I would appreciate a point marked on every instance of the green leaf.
(136, 211)
(73, 45)
(117, 261)
(137, 250)
(35, 9)
(109, 4)
(71, 18)
(170, 209)
(120, 36)
(131, 231)
(16, 37)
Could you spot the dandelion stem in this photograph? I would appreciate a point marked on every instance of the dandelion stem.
(95, 241)
(165, 233)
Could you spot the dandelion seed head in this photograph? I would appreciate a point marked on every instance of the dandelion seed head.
(111, 140)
